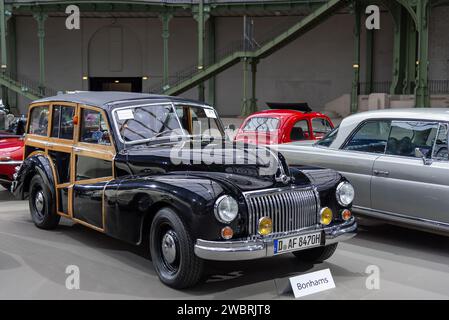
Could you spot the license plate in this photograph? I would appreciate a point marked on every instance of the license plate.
(297, 243)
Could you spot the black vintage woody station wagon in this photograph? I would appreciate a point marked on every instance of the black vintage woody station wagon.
(106, 160)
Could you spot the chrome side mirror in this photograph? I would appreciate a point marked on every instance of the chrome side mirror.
(420, 154)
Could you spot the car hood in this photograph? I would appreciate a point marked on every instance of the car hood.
(247, 166)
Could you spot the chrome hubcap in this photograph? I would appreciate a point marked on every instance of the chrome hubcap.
(169, 247)
(39, 201)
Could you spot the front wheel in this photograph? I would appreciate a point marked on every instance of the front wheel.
(42, 206)
(319, 254)
(172, 251)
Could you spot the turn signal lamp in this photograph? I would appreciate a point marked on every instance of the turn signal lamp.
(326, 215)
(346, 214)
(265, 226)
(227, 233)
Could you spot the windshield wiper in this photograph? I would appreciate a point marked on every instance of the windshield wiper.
(156, 137)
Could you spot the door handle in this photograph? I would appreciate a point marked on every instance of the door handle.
(381, 173)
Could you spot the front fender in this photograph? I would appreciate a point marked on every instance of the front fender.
(139, 198)
(326, 182)
(36, 164)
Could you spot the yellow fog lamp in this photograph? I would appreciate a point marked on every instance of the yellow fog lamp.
(265, 226)
(326, 216)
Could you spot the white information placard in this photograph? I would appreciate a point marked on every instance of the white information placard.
(125, 114)
(311, 283)
(210, 113)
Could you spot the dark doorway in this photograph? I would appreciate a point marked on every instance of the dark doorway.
(116, 84)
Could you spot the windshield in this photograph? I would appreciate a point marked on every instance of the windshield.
(261, 124)
(144, 123)
(328, 139)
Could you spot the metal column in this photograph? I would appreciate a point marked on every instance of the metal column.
(165, 18)
(398, 49)
(253, 100)
(12, 61)
(3, 54)
(200, 18)
(245, 102)
(369, 74)
(356, 65)
(3, 64)
(422, 90)
(211, 58)
(411, 58)
(249, 104)
(40, 19)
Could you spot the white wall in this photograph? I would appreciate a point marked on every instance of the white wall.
(439, 44)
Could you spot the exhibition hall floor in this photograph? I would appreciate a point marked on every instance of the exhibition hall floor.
(33, 262)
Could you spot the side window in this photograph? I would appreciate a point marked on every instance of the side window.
(39, 121)
(371, 137)
(406, 136)
(440, 150)
(94, 128)
(300, 131)
(320, 127)
(62, 125)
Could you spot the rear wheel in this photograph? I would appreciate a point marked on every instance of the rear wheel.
(172, 251)
(42, 206)
(319, 254)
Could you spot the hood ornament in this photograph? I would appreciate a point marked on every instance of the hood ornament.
(280, 176)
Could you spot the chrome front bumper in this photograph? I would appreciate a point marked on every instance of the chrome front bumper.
(263, 247)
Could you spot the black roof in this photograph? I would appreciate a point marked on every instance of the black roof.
(104, 99)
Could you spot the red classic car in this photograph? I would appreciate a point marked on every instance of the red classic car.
(11, 152)
(284, 125)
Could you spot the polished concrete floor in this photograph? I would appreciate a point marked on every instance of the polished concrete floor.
(412, 265)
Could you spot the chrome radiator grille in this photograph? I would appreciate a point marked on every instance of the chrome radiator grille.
(289, 208)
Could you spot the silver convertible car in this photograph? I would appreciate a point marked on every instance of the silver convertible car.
(397, 160)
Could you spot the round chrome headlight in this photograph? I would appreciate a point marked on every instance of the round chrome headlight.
(226, 209)
(345, 193)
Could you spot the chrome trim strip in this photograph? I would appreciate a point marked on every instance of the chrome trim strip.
(261, 247)
(11, 162)
(396, 217)
(274, 190)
